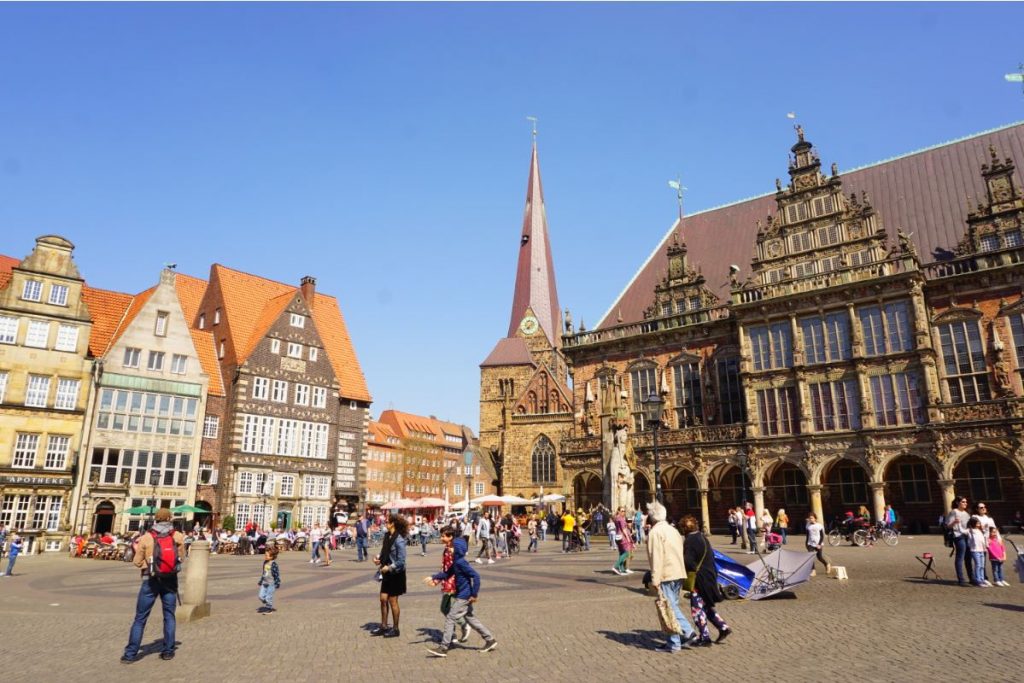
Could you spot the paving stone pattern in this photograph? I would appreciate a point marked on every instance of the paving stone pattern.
(556, 618)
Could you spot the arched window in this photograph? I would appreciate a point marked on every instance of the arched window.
(543, 462)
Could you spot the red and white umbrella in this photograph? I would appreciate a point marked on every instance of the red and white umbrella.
(429, 502)
(487, 501)
(400, 504)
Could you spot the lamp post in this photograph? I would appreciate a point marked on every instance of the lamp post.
(467, 461)
(154, 481)
(652, 406)
(741, 459)
(85, 506)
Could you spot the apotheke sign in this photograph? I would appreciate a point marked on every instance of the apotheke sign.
(24, 480)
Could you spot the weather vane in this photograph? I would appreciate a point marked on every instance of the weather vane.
(533, 120)
(677, 185)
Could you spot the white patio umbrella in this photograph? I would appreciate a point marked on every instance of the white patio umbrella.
(515, 500)
(487, 501)
(399, 504)
(549, 498)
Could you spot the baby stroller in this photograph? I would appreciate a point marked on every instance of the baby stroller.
(772, 541)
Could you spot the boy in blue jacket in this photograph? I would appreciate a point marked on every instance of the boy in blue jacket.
(467, 587)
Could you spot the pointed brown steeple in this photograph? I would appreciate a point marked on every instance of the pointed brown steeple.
(535, 274)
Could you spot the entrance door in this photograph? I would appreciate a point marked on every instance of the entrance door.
(104, 520)
(284, 520)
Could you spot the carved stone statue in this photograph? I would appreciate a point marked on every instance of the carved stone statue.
(619, 470)
(906, 246)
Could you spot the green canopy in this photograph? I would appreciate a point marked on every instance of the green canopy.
(141, 510)
(182, 509)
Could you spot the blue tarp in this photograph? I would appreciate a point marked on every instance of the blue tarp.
(732, 573)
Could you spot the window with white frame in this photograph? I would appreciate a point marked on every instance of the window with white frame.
(314, 353)
(897, 399)
(457, 489)
(57, 452)
(137, 411)
(38, 334)
(161, 323)
(8, 329)
(294, 350)
(156, 361)
(3, 385)
(264, 483)
(216, 316)
(302, 394)
(112, 465)
(245, 482)
(777, 411)
(243, 514)
(32, 290)
(643, 382)
(132, 357)
(260, 388)
(59, 295)
(319, 397)
(275, 346)
(202, 321)
(315, 486)
(67, 338)
(835, 405)
(478, 489)
(296, 320)
(211, 426)
(988, 243)
(25, 448)
(963, 358)
(279, 391)
(38, 391)
(281, 436)
(689, 401)
(800, 241)
(772, 346)
(179, 364)
(206, 473)
(220, 349)
(287, 486)
(67, 394)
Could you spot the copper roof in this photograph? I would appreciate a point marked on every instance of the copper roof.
(509, 351)
(924, 193)
(535, 272)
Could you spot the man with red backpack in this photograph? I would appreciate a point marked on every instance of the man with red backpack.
(159, 556)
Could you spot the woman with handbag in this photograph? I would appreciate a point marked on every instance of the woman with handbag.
(702, 582)
(392, 572)
(624, 542)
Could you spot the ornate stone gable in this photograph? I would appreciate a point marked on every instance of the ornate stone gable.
(682, 289)
(544, 394)
(997, 223)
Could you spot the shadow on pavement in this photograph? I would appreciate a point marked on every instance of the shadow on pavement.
(999, 605)
(640, 638)
(430, 635)
(929, 582)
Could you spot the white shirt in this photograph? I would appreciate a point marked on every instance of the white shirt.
(985, 522)
(815, 535)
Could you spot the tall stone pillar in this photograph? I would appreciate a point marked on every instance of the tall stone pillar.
(704, 514)
(948, 493)
(815, 491)
(193, 584)
(877, 499)
(758, 502)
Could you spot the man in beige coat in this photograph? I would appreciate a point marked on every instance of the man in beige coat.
(665, 552)
(164, 588)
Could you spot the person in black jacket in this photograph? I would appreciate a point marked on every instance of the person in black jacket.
(700, 559)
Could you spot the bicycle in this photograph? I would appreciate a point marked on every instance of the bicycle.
(862, 537)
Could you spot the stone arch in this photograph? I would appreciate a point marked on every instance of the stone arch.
(680, 491)
(845, 486)
(103, 517)
(643, 492)
(542, 461)
(785, 487)
(912, 489)
(953, 462)
(992, 476)
(588, 489)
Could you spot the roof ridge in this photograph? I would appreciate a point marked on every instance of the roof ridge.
(737, 202)
(258, 277)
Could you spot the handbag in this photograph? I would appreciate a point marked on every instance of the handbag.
(667, 616)
(691, 577)
(446, 603)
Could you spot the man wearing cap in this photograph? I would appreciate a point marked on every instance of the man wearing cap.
(153, 587)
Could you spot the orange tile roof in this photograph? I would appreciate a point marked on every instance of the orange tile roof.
(252, 304)
(106, 308)
(404, 423)
(190, 295)
(137, 302)
(380, 432)
(6, 263)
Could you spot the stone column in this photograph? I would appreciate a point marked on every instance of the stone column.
(705, 515)
(815, 491)
(877, 499)
(758, 492)
(193, 584)
(948, 494)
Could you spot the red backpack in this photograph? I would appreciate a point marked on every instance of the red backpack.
(165, 562)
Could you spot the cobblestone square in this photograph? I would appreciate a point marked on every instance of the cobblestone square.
(556, 617)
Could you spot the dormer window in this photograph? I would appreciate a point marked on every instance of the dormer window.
(202, 321)
(1013, 239)
(297, 320)
(988, 243)
(216, 316)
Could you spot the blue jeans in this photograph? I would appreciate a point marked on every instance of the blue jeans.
(782, 532)
(10, 564)
(543, 535)
(670, 591)
(639, 533)
(960, 545)
(267, 594)
(361, 548)
(423, 542)
(315, 550)
(533, 544)
(586, 540)
(979, 566)
(611, 539)
(149, 591)
(997, 570)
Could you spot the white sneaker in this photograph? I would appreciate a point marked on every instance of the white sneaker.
(490, 561)
(630, 571)
(1004, 584)
(986, 583)
(616, 570)
(479, 561)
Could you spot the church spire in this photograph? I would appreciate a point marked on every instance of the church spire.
(535, 275)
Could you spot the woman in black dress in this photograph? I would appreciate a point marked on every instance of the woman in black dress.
(700, 558)
(392, 571)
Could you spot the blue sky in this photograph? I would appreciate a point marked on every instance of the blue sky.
(384, 148)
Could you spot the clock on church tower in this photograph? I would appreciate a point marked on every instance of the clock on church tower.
(529, 325)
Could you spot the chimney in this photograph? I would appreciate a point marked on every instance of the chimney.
(308, 286)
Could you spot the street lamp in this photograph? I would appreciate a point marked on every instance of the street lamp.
(154, 481)
(467, 459)
(652, 407)
(85, 506)
(265, 493)
(741, 460)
